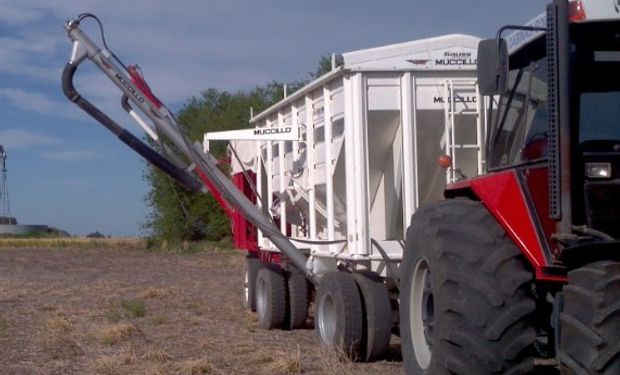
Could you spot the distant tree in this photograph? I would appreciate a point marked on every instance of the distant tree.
(95, 235)
(55, 232)
(177, 215)
(325, 66)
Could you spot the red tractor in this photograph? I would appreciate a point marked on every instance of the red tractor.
(521, 266)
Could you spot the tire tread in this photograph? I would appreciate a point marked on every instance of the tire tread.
(490, 313)
(590, 320)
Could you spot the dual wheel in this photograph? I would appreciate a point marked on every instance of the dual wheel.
(353, 314)
(280, 298)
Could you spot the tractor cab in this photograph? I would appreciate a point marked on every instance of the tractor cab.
(554, 111)
(595, 108)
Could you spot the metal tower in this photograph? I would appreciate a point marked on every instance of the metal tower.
(5, 205)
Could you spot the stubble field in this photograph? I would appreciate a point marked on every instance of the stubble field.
(120, 309)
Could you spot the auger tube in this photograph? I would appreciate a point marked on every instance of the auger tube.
(205, 165)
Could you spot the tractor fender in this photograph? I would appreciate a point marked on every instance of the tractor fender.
(505, 196)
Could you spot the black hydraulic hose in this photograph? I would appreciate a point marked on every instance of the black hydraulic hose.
(388, 263)
(125, 136)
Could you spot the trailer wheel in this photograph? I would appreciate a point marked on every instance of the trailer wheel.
(298, 299)
(250, 270)
(270, 297)
(465, 299)
(590, 320)
(377, 315)
(338, 321)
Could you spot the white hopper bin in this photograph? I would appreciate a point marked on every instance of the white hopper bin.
(358, 148)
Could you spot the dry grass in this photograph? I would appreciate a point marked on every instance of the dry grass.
(195, 367)
(4, 326)
(114, 315)
(222, 247)
(126, 308)
(113, 334)
(115, 364)
(158, 355)
(134, 307)
(152, 368)
(279, 361)
(159, 320)
(72, 242)
(107, 365)
(62, 312)
(60, 339)
(58, 327)
(335, 362)
(155, 293)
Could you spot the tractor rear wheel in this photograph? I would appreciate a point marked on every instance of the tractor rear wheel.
(271, 297)
(590, 320)
(465, 298)
(338, 316)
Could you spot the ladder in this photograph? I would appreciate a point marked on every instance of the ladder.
(456, 105)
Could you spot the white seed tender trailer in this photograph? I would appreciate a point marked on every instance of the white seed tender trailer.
(341, 165)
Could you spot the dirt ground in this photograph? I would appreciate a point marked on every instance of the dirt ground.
(121, 311)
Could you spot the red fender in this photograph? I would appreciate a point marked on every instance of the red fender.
(503, 194)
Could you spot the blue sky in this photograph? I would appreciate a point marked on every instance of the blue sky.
(68, 172)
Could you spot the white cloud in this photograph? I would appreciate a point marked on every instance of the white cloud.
(28, 100)
(31, 54)
(20, 138)
(70, 155)
(183, 46)
(16, 13)
(38, 102)
(13, 139)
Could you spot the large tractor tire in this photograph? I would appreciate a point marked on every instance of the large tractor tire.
(465, 299)
(298, 299)
(377, 315)
(271, 297)
(338, 320)
(250, 270)
(590, 320)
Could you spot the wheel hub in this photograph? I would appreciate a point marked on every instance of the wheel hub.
(246, 286)
(327, 316)
(261, 298)
(422, 314)
(428, 312)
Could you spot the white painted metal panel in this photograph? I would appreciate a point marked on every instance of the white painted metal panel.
(369, 135)
(448, 52)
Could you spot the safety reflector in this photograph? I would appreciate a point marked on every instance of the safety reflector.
(576, 12)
